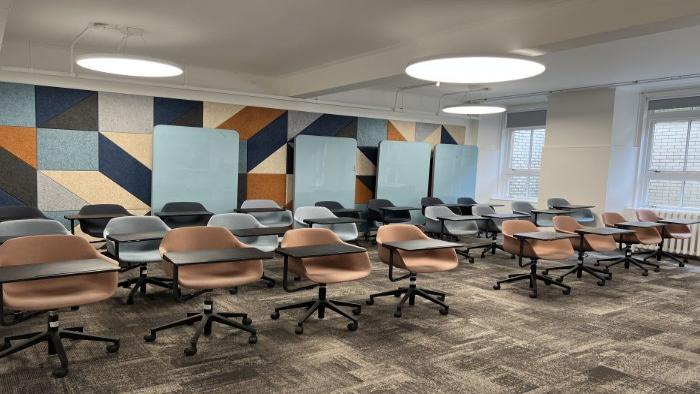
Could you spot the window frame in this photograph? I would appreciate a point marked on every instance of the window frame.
(507, 172)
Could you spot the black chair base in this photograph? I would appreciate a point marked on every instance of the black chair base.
(629, 260)
(320, 304)
(579, 269)
(139, 283)
(270, 284)
(409, 294)
(533, 277)
(53, 336)
(204, 326)
(660, 253)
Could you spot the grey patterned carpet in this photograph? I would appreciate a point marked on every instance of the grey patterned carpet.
(636, 334)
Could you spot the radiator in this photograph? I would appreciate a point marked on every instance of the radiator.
(690, 247)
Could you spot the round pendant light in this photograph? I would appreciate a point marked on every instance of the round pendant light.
(474, 69)
(474, 109)
(129, 65)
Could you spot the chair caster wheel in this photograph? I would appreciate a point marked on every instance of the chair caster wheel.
(566, 291)
(444, 311)
(545, 272)
(370, 301)
(397, 313)
(547, 282)
(270, 285)
(352, 326)
(656, 270)
(559, 280)
(483, 255)
(600, 283)
(533, 295)
(299, 330)
(645, 273)
(275, 315)
(471, 260)
(397, 295)
(233, 291)
(60, 372)
(150, 337)
(4, 346)
(247, 321)
(130, 302)
(596, 263)
(497, 287)
(253, 339)
(113, 348)
(356, 311)
(441, 298)
(682, 264)
(190, 351)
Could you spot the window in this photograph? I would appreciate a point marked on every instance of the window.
(521, 176)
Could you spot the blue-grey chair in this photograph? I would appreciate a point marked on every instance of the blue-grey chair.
(270, 219)
(584, 216)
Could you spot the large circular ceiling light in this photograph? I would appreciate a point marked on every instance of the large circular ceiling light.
(129, 65)
(474, 109)
(474, 69)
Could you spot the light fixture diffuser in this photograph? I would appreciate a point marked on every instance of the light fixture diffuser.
(474, 69)
(474, 109)
(129, 65)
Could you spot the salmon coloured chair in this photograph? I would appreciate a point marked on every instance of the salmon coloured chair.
(54, 293)
(206, 276)
(415, 262)
(323, 270)
(669, 231)
(534, 250)
(643, 236)
(591, 243)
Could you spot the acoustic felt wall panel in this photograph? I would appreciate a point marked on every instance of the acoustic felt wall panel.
(370, 132)
(454, 172)
(325, 170)
(17, 107)
(124, 170)
(68, 109)
(17, 179)
(403, 172)
(195, 164)
(267, 141)
(125, 113)
(168, 111)
(20, 141)
(67, 149)
(298, 121)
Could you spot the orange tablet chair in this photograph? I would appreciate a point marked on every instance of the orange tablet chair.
(54, 293)
(535, 250)
(669, 231)
(415, 262)
(206, 276)
(643, 236)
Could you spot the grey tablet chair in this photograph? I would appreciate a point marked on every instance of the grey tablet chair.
(236, 221)
(430, 201)
(466, 200)
(187, 220)
(583, 216)
(333, 205)
(346, 231)
(96, 227)
(21, 228)
(490, 228)
(524, 207)
(270, 219)
(137, 254)
(453, 228)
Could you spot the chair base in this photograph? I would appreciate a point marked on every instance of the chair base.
(270, 284)
(409, 294)
(660, 253)
(321, 304)
(533, 277)
(204, 326)
(492, 247)
(53, 336)
(629, 260)
(139, 283)
(579, 269)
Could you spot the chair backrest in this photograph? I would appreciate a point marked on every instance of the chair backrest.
(309, 236)
(373, 212)
(135, 224)
(95, 227)
(37, 249)
(482, 209)
(485, 225)
(19, 212)
(566, 224)
(428, 201)
(180, 206)
(233, 221)
(612, 218)
(259, 204)
(647, 215)
(556, 202)
(511, 227)
(24, 227)
(303, 213)
(399, 232)
(522, 206)
(329, 204)
(466, 200)
(433, 212)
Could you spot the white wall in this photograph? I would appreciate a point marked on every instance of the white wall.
(488, 140)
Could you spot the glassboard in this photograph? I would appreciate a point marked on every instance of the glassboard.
(454, 172)
(403, 173)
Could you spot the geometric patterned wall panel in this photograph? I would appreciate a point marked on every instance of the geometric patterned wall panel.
(63, 148)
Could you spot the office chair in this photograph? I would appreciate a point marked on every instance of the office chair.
(375, 218)
(334, 205)
(54, 294)
(535, 250)
(137, 254)
(236, 221)
(669, 231)
(19, 212)
(270, 219)
(96, 227)
(347, 232)
(583, 216)
(206, 276)
(490, 228)
(430, 201)
(23, 228)
(455, 229)
(591, 243)
(525, 208)
(641, 236)
(466, 201)
(416, 262)
(324, 270)
(185, 221)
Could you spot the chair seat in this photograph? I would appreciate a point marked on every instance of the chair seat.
(51, 294)
(136, 257)
(220, 275)
(680, 235)
(327, 269)
(550, 250)
(584, 219)
(266, 243)
(426, 261)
